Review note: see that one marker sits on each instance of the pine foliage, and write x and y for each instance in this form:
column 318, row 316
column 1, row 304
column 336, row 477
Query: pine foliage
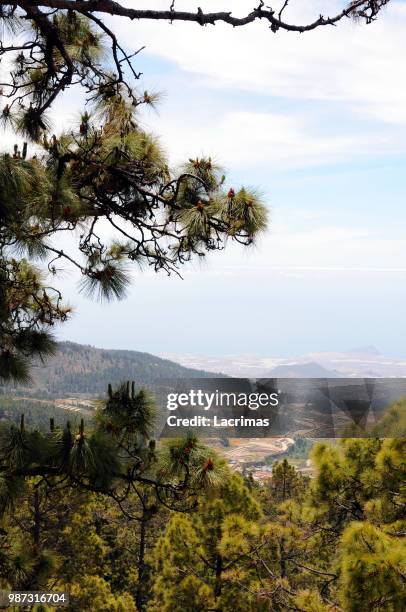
column 103, row 171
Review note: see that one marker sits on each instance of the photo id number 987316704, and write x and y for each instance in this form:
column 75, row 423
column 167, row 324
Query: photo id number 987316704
column 28, row 598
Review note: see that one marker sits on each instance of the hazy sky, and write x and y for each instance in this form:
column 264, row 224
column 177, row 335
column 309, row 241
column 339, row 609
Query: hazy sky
column 317, row 122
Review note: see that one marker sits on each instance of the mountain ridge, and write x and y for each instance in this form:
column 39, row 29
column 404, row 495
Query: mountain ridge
column 85, row 370
column 310, row 369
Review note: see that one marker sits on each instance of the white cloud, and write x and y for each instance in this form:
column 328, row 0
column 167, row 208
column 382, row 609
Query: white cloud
column 332, row 248
column 325, row 250
column 355, row 64
column 268, row 140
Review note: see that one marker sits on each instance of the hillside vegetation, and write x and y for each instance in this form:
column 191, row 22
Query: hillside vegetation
column 127, row 524
column 79, row 369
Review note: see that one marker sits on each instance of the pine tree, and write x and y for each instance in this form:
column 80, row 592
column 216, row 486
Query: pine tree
column 110, row 457
column 286, row 482
column 105, row 169
column 373, row 566
column 358, row 496
column 221, row 545
column 198, row 559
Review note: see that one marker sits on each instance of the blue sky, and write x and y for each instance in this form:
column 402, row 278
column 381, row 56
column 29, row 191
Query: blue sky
column 318, row 123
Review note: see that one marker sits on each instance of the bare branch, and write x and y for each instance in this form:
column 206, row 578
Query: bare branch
column 367, row 9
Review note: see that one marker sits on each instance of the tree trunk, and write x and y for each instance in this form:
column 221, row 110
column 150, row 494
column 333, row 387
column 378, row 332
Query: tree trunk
column 282, row 563
column 139, row 597
column 36, row 529
column 219, row 571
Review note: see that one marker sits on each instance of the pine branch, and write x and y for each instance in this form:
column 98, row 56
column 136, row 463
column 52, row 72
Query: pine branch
column 367, row 9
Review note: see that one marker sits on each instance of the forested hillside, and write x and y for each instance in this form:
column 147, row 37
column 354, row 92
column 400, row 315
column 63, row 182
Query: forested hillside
column 123, row 524
column 38, row 412
column 79, row 369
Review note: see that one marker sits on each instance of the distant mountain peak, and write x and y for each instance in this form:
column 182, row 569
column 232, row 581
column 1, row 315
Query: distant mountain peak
column 310, row 369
